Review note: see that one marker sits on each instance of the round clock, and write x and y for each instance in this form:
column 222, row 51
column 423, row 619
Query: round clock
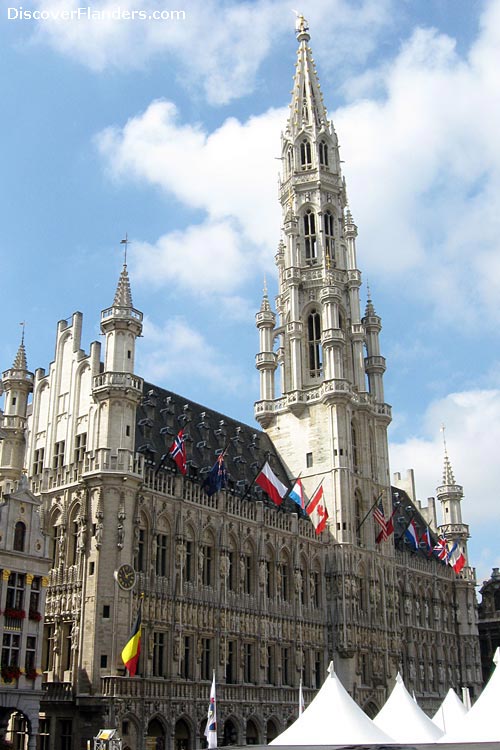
column 125, row 577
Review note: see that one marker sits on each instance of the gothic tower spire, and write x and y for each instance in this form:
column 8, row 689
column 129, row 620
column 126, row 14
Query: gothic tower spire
column 329, row 421
column 450, row 494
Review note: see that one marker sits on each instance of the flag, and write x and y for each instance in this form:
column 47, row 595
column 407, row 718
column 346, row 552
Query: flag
column 298, row 495
column 301, row 699
column 217, row 477
column 132, row 650
column 411, row 534
column 456, row 558
column 426, row 538
column 316, row 510
column 270, row 483
column 178, row 452
column 440, row 549
column 211, row 727
column 379, row 516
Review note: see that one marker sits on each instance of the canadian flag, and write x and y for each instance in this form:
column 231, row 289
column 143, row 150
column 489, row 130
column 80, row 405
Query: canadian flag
column 316, row 510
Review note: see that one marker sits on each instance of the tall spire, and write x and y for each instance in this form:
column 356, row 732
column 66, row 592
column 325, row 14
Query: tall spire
column 307, row 108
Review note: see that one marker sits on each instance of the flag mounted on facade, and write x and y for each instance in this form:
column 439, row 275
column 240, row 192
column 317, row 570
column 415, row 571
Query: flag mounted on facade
column 217, row 477
column 456, row 558
column 440, row 549
column 316, row 510
column 132, row 650
column 379, row 517
column 411, row 534
column 270, row 483
column 211, row 727
column 298, row 495
column 178, row 452
column 426, row 540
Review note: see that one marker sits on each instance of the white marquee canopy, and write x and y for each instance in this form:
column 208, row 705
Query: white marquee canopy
column 402, row 718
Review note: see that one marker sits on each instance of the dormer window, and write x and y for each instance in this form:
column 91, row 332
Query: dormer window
column 310, row 235
column 323, row 154
column 305, row 154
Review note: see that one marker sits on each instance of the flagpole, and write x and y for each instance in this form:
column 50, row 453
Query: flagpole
column 253, row 481
column 315, row 491
column 368, row 513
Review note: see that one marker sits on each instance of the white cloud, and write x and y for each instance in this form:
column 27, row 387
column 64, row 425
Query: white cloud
column 176, row 354
column 423, row 170
column 219, row 46
column 472, row 420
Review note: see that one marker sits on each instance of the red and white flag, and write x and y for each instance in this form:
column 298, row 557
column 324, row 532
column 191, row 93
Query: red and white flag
column 178, row 452
column 316, row 510
column 270, row 483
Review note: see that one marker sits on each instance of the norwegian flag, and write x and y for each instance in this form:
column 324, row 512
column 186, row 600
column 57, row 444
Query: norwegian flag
column 178, row 452
column 316, row 510
column 379, row 516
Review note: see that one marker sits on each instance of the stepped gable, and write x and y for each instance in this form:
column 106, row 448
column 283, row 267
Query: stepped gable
column 207, row 433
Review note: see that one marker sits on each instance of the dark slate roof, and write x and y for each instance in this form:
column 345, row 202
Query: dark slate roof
column 404, row 510
column 207, row 433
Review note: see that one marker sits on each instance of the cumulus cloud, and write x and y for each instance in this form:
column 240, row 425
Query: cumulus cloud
column 472, row 421
column 216, row 46
column 423, row 169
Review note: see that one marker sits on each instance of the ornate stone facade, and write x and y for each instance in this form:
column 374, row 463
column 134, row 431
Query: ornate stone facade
column 231, row 584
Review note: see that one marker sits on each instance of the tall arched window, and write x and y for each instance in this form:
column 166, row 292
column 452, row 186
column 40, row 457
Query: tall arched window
column 323, row 154
column 305, row 154
column 357, row 516
column 314, row 344
column 310, row 234
column 289, row 158
column 354, row 447
column 19, row 536
column 328, row 225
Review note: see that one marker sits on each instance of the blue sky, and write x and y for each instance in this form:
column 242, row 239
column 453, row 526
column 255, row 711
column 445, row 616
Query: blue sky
column 168, row 130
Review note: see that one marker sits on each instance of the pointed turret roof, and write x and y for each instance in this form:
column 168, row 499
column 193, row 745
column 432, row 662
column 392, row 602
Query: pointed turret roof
column 307, row 107
column 448, row 476
column 20, row 362
column 123, row 296
column 265, row 306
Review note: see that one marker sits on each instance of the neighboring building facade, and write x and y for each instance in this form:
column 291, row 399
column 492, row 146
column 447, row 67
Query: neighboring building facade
column 23, row 570
column 230, row 582
column 489, row 622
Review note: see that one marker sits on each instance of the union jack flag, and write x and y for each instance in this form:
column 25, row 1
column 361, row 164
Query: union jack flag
column 441, row 548
column 178, row 452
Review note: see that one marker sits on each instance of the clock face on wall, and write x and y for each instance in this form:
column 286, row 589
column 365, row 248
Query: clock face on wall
column 125, row 577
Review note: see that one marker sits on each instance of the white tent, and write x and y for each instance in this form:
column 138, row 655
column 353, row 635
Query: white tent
column 480, row 723
column 402, row 718
column 451, row 711
column 332, row 718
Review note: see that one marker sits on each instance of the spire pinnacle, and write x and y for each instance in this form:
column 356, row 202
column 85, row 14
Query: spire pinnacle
column 123, row 295
column 448, row 476
column 265, row 306
column 20, row 362
column 370, row 310
column 307, row 109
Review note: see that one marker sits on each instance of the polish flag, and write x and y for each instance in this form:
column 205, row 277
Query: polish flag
column 270, row 483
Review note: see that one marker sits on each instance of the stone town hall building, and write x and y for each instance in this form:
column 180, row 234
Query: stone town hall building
column 230, row 583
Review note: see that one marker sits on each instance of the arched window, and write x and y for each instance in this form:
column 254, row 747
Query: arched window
column 305, row 154
column 314, row 344
column 19, row 536
column 289, row 158
column 310, row 234
column 206, row 561
column 141, row 547
column 328, row 225
column 357, row 516
column 73, row 539
column 323, row 154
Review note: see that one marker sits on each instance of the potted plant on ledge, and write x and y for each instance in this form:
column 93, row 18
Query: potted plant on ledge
column 10, row 672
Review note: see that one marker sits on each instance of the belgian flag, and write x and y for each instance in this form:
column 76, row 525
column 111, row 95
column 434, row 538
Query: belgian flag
column 132, row 649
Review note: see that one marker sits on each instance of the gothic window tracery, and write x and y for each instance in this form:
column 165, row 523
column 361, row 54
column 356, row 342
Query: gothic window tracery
column 328, row 228
column 323, row 153
column 305, row 154
column 315, row 362
column 310, row 237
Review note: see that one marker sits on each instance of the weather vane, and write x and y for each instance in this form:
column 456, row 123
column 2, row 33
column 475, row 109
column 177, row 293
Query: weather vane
column 125, row 242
